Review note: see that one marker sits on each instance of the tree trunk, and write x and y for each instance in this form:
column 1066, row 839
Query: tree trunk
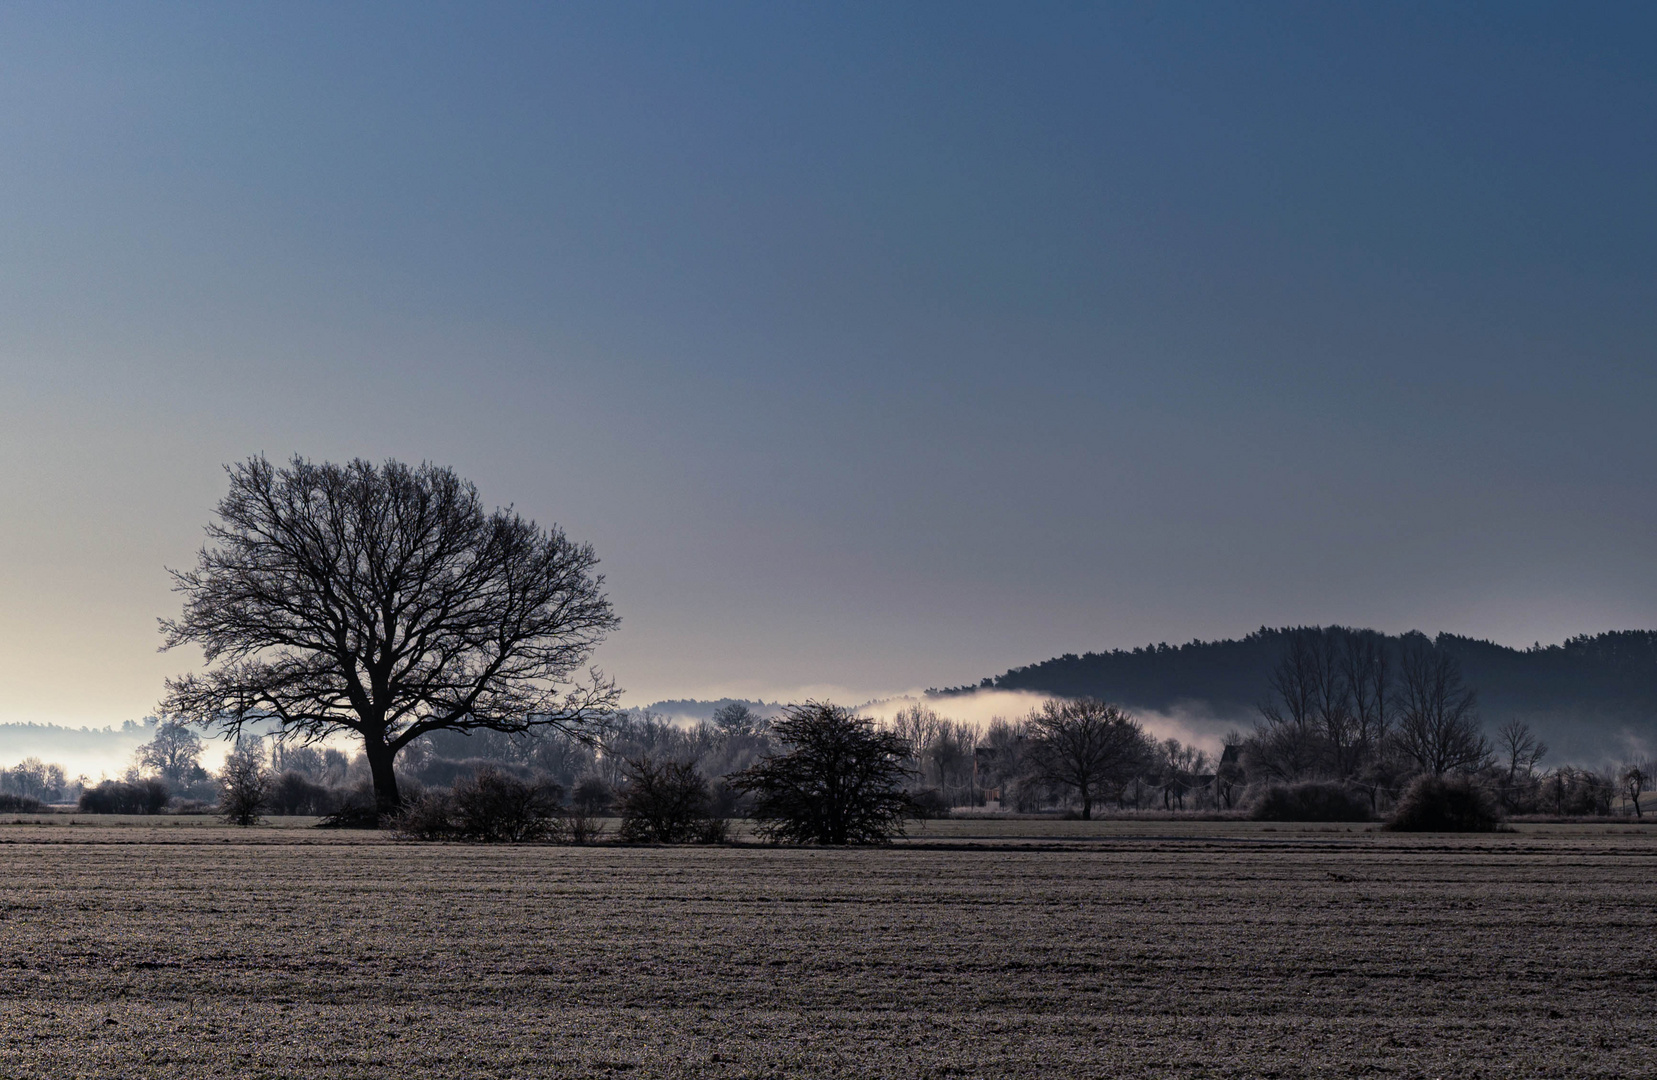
column 380, row 760
column 1087, row 805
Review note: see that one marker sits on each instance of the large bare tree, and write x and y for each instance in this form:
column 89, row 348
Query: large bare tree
column 386, row 602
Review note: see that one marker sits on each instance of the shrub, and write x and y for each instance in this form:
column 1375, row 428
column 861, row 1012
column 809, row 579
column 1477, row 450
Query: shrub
column 930, row 803
column 495, row 807
column 840, row 781
column 580, row 824
column 427, row 816
column 294, row 794
column 668, row 803
column 18, row 804
column 1314, row 801
column 119, row 797
column 1445, row 804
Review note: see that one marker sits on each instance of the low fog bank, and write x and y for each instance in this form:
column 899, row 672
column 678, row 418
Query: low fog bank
column 1586, row 741
column 694, row 711
column 1194, row 725
column 980, row 708
column 96, row 753
column 93, row 753
column 108, row 752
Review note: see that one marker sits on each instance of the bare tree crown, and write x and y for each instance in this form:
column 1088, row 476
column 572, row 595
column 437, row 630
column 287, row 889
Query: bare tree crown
column 386, row 601
column 1085, row 744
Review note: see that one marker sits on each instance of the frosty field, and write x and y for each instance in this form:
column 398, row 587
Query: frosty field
column 980, row 949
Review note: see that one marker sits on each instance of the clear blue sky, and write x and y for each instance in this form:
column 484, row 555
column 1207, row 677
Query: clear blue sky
column 873, row 346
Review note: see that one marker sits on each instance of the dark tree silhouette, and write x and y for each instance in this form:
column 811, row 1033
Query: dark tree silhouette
column 174, row 753
column 667, row 802
column 385, row 601
column 1085, row 745
column 839, row 782
column 244, row 785
column 1634, row 780
column 738, row 721
column 1285, row 739
column 1438, row 724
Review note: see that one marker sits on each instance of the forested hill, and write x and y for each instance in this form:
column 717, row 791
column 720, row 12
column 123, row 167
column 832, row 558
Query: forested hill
column 1592, row 697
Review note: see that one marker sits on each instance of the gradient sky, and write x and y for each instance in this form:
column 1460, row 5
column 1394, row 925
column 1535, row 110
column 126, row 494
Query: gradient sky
column 874, row 346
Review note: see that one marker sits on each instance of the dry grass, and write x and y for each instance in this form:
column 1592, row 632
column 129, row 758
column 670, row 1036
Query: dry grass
column 988, row 949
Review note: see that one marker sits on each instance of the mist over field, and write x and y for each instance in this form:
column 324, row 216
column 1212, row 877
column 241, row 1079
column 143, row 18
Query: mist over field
column 91, row 752
column 1594, row 699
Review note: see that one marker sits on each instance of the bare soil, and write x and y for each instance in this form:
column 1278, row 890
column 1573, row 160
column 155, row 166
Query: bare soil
column 982, row 948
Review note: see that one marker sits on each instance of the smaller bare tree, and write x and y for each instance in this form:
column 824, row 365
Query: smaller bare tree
column 244, row 784
column 1439, row 725
column 1366, row 661
column 1085, row 745
column 1635, row 779
column 1519, row 745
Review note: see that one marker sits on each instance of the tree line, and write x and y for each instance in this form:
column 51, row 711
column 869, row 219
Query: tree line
column 1581, row 694
column 1370, row 714
column 384, row 604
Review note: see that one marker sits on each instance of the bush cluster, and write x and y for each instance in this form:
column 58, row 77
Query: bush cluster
column 11, row 803
column 120, row 797
column 1312, row 801
column 1445, row 804
column 489, row 806
column 294, row 794
column 669, row 803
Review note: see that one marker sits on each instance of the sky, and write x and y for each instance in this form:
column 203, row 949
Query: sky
column 873, row 346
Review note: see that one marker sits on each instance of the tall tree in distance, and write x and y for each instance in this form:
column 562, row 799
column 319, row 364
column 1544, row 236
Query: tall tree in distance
column 1366, row 663
column 174, row 753
column 1285, row 741
column 1085, row 745
column 1521, row 748
column 385, row 601
column 1438, row 724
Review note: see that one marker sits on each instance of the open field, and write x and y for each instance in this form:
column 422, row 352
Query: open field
column 986, row 949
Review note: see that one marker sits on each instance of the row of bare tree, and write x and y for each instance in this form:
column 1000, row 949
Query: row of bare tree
column 1349, row 707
